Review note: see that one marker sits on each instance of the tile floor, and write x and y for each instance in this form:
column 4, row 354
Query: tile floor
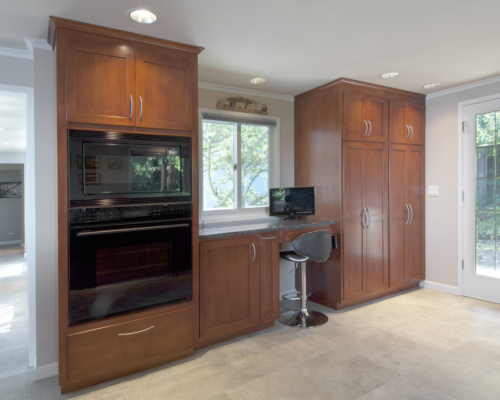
column 421, row 344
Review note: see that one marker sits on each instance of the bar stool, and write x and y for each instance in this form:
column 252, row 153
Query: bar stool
column 314, row 246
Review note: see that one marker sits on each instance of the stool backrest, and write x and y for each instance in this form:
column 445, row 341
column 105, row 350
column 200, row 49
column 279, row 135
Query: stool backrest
column 315, row 245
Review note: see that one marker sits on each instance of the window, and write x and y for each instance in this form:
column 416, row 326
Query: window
column 239, row 163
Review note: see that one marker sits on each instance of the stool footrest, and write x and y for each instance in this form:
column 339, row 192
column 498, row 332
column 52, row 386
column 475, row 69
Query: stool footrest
column 295, row 296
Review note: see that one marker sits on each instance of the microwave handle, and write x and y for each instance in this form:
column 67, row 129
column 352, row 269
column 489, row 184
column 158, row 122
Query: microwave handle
column 125, row 230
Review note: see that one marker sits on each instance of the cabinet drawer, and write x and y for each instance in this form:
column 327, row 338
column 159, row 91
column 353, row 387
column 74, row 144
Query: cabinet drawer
column 291, row 235
column 118, row 346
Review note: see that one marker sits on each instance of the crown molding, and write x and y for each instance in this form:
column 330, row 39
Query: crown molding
column 250, row 92
column 467, row 86
column 27, row 53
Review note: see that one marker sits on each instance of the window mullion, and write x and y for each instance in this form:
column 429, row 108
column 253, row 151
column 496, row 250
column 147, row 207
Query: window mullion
column 238, row 169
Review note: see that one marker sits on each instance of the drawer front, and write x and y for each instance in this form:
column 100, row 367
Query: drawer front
column 118, row 346
column 291, row 235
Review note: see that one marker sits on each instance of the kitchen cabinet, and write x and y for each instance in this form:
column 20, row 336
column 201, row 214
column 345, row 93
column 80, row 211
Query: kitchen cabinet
column 406, row 210
column 269, row 277
column 364, row 117
column 118, row 82
column 406, row 122
column 365, row 219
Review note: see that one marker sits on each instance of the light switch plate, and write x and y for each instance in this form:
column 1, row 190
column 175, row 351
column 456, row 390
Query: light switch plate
column 433, row 191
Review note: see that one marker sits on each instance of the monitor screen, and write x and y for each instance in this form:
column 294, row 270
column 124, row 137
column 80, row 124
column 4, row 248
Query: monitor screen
column 292, row 201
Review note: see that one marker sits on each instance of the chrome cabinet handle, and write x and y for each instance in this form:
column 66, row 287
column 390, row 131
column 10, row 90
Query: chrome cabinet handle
column 369, row 212
column 135, row 333
column 407, row 130
column 411, row 127
column 370, row 128
column 140, row 115
column 364, row 218
column 123, row 230
column 366, row 127
column 254, row 252
column 411, row 219
column 408, row 218
column 131, row 106
column 268, row 238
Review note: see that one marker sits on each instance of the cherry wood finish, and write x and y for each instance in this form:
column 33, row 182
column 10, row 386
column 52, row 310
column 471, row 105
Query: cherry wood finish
column 329, row 121
column 229, row 285
column 269, row 277
column 406, row 122
column 89, row 107
column 406, row 188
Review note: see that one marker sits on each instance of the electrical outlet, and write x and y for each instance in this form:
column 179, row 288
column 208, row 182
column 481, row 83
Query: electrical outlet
column 432, row 191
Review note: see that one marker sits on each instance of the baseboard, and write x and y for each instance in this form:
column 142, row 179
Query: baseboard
column 440, row 287
column 11, row 242
column 46, row 371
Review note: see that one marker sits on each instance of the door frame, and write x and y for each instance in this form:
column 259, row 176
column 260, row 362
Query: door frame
column 461, row 208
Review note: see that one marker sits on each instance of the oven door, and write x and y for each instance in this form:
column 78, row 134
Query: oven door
column 118, row 269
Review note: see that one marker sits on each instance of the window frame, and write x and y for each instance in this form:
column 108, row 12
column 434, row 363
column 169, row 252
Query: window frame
column 239, row 213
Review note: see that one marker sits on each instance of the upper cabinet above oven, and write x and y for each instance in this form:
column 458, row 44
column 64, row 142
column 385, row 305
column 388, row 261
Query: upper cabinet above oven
column 121, row 79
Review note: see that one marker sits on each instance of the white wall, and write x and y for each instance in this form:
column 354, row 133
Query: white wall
column 442, row 169
column 16, row 71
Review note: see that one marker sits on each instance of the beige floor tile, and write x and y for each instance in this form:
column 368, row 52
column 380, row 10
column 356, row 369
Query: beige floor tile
column 346, row 330
column 442, row 335
column 110, row 393
column 459, row 379
column 415, row 306
column 479, row 306
column 286, row 384
column 397, row 353
column 222, row 396
column 493, row 333
column 434, row 296
column 346, row 374
column 466, row 320
column 404, row 388
column 13, row 361
column 14, row 387
column 481, row 351
column 379, row 316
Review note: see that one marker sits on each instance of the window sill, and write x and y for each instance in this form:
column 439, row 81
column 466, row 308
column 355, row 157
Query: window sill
column 219, row 219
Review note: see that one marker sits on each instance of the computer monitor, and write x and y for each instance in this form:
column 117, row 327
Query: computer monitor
column 292, row 201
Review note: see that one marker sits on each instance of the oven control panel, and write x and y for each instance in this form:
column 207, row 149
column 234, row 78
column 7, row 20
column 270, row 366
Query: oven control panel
column 106, row 215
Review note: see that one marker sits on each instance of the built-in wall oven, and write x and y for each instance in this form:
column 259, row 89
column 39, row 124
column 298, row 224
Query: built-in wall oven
column 130, row 225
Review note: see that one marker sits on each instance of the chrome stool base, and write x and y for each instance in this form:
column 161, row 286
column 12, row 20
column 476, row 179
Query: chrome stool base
column 299, row 319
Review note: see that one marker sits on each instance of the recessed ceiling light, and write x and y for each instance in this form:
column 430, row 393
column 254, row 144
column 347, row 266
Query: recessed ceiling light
column 5, row 143
column 143, row 16
column 1, row 129
column 257, row 81
column 432, row 85
column 390, row 75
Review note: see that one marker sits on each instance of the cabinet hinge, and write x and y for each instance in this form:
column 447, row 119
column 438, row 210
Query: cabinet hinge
column 463, row 264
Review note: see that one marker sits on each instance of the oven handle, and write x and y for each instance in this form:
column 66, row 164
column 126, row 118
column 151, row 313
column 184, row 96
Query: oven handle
column 124, row 230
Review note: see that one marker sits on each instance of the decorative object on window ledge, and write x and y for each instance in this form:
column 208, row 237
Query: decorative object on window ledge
column 11, row 190
column 242, row 104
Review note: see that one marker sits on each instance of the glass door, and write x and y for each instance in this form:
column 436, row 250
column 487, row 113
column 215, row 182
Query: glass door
column 481, row 174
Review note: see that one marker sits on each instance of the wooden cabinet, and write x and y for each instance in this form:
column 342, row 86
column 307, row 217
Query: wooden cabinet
column 406, row 122
column 269, row 277
column 406, row 211
column 125, row 83
column 229, row 286
column 365, row 219
column 364, row 117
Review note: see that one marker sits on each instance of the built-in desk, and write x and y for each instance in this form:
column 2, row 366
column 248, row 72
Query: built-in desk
column 239, row 275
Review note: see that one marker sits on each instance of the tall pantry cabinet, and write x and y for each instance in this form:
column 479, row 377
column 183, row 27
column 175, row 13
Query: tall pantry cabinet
column 361, row 145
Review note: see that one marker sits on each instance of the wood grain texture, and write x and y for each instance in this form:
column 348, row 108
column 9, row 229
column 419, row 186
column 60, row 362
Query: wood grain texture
column 376, row 113
column 269, row 277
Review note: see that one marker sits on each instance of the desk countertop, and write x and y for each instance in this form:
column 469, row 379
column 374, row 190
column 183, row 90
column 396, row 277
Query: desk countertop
column 249, row 227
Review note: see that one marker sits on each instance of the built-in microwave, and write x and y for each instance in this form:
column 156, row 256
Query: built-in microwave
column 111, row 168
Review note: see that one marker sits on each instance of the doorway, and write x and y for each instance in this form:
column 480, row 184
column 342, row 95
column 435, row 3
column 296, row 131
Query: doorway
column 481, row 200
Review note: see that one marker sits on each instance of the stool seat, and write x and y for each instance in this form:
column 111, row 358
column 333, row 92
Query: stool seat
column 293, row 256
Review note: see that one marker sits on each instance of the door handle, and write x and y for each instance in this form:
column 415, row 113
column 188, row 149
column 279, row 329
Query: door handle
column 411, row 127
column 407, row 130
column 364, row 218
column 125, row 230
column 366, row 128
column 408, row 218
column 254, row 252
column 135, row 333
column 369, row 212
column 411, row 219
column 131, row 106
column 370, row 128
column 269, row 238
column 140, row 115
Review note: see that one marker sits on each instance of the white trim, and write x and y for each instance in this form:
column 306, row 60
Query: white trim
column 11, row 242
column 441, row 287
column 28, row 52
column 25, row 255
column 464, row 87
column 250, row 92
column 46, row 371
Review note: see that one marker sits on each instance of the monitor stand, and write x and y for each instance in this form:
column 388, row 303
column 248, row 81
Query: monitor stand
column 292, row 217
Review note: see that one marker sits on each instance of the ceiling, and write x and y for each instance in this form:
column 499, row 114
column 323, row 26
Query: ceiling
column 12, row 122
column 299, row 45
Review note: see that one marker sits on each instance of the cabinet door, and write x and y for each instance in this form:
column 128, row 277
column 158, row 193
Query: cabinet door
column 354, row 222
column 375, row 169
column 398, row 125
column 229, row 286
column 269, row 277
column 165, row 91
column 415, row 254
column 375, row 114
column 100, row 80
column 416, row 121
column 399, row 213
column 355, row 126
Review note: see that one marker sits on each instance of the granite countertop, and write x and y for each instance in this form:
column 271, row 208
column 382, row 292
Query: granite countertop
column 248, row 227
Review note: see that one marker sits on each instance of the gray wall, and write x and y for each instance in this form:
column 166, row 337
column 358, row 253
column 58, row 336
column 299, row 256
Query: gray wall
column 11, row 210
column 16, row 71
column 442, row 169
